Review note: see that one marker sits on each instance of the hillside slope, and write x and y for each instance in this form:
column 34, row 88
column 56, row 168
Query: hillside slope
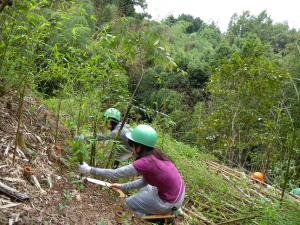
column 216, row 194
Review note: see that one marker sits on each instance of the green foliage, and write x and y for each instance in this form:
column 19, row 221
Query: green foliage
column 247, row 122
column 278, row 216
column 102, row 222
column 195, row 24
column 126, row 7
column 167, row 100
column 66, row 195
column 23, row 31
column 109, row 13
column 277, row 35
column 73, row 26
column 200, row 182
column 234, row 94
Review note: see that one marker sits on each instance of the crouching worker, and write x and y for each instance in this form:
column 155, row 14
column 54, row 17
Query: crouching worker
column 161, row 185
column 112, row 117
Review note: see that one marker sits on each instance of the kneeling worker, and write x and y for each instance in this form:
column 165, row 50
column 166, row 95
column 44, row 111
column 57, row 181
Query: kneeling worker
column 161, row 186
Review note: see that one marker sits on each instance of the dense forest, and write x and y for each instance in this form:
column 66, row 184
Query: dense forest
column 234, row 95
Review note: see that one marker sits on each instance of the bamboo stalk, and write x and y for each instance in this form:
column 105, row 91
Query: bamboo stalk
column 287, row 173
column 57, row 120
column 20, row 112
column 129, row 106
column 78, row 125
column 223, row 170
column 236, row 187
column 232, row 207
column 238, row 173
column 209, row 208
column 255, row 190
column 93, row 145
column 215, row 166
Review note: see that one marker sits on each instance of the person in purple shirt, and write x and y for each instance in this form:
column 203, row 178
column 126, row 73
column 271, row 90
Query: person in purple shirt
column 161, row 186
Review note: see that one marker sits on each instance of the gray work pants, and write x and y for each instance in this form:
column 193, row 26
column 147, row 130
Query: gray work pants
column 148, row 202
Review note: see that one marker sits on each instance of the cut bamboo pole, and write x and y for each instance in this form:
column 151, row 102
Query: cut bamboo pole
column 186, row 216
column 210, row 214
column 199, row 216
column 237, row 220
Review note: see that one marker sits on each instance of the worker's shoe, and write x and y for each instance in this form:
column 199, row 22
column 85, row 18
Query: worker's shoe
column 168, row 221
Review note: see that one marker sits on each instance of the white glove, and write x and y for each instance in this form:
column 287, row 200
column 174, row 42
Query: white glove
column 84, row 168
column 80, row 138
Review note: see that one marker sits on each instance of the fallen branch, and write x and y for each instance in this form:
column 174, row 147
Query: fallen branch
column 49, row 180
column 3, row 166
column 13, row 193
column 13, row 180
column 35, row 181
column 6, row 150
column 9, row 205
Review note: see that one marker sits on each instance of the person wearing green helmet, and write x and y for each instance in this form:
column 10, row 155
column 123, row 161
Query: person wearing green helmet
column 113, row 117
column 113, row 113
column 296, row 191
column 162, row 188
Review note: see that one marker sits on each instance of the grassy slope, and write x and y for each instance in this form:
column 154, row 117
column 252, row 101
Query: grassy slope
column 209, row 192
column 205, row 186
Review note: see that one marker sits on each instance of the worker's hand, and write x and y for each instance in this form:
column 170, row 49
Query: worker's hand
column 115, row 187
column 84, row 168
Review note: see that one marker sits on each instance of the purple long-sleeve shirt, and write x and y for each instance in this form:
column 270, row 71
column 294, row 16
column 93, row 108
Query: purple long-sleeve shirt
column 158, row 173
column 161, row 174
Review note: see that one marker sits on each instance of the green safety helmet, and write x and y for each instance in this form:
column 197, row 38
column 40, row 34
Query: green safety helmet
column 143, row 134
column 112, row 113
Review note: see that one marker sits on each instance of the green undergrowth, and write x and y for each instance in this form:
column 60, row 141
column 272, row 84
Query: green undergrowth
column 204, row 186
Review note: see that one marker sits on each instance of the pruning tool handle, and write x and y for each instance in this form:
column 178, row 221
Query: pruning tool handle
column 121, row 193
column 104, row 184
